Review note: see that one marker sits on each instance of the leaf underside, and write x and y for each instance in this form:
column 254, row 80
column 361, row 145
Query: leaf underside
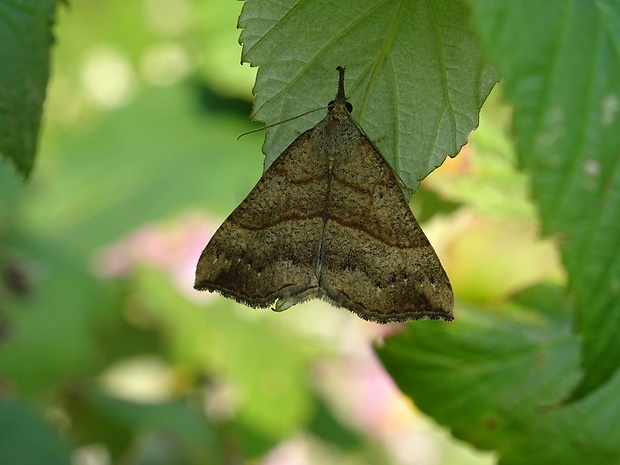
column 415, row 74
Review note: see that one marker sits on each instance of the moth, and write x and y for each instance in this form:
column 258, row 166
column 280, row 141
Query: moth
column 328, row 220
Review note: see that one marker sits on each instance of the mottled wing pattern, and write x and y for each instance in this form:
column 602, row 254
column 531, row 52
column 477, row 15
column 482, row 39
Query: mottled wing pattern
column 377, row 261
column 267, row 248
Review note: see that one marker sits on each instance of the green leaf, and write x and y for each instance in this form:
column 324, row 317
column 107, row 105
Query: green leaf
column 54, row 321
column 492, row 378
column 266, row 367
column 25, row 40
column 415, row 74
column 26, row 439
column 327, row 427
column 125, row 427
column 561, row 62
column 159, row 142
column 179, row 417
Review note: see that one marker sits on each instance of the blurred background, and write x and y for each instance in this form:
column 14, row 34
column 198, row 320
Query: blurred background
column 103, row 341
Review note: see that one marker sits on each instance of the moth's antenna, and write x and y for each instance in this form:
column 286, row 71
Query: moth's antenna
column 279, row 122
column 340, row 97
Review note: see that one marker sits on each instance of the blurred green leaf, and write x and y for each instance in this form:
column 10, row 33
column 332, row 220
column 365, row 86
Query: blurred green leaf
column 561, row 63
column 248, row 442
column 493, row 379
column 186, row 421
column 11, row 192
column 267, row 367
column 124, row 427
column 92, row 424
column 415, row 74
column 25, row 38
column 146, row 162
column 327, row 427
column 27, row 439
column 485, row 176
column 428, row 203
column 54, row 322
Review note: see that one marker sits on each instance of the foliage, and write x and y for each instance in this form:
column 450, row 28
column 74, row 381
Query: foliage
column 42, row 440
column 421, row 57
column 495, row 379
column 26, row 38
column 532, row 376
column 561, row 61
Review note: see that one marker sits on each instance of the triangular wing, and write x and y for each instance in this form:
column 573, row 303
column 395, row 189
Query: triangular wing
column 377, row 262
column 267, row 249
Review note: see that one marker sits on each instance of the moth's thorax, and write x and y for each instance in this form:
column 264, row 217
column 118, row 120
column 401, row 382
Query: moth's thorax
column 337, row 134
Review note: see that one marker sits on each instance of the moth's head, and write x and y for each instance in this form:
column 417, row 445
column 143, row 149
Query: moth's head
column 332, row 104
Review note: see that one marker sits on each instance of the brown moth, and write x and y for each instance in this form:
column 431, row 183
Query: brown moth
column 328, row 220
